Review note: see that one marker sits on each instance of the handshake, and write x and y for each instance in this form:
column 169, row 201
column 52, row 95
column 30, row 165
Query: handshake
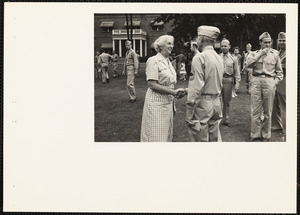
column 180, row 92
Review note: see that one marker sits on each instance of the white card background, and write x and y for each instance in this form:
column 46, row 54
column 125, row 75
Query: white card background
column 52, row 164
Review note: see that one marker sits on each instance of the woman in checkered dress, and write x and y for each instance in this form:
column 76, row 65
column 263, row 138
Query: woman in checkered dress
column 157, row 121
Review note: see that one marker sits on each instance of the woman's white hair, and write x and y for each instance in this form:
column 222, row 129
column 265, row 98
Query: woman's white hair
column 159, row 42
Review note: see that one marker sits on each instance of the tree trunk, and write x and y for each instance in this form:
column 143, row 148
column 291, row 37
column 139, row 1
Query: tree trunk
column 131, row 28
column 127, row 27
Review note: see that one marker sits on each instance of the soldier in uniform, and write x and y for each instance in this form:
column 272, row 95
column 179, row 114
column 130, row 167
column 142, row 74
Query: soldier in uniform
column 131, row 65
column 279, row 108
column 236, row 54
column 104, row 61
column 114, row 62
column 229, row 78
column 248, row 71
column 204, row 108
column 267, row 72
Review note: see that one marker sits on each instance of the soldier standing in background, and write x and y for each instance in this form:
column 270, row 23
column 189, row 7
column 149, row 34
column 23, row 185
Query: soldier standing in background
column 114, row 62
column 236, row 54
column 247, row 71
column 104, row 61
column 131, row 65
column 230, row 75
column 279, row 109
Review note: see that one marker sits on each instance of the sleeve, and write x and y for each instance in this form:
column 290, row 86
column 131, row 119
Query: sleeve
column 253, row 58
column 195, row 87
column 236, row 69
column 278, row 68
column 135, row 61
column 151, row 69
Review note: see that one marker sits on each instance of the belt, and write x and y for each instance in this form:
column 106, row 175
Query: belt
column 262, row 75
column 210, row 95
column 227, row 76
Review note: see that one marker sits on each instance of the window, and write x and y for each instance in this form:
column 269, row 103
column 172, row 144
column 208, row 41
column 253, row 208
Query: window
column 157, row 26
column 107, row 26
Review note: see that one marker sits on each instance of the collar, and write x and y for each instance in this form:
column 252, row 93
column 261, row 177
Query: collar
column 208, row 48
column 160, row 57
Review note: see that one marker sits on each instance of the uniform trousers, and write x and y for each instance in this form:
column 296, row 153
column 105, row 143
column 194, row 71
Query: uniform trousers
column 228, row 83
column 279, row 108
column 130, row 82
column 208, row 113
column 104, row 73
column 114, row 69
column 249, row 78
column 262, row 101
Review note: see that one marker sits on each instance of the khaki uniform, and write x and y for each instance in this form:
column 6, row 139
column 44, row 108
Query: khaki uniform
column 230, row 75
column 204, row 109
column 265, row 70
column 114, row 61
column 104, row 61
column 248, row 71
column 238, row 71
column 131, row 65
column 279, row 109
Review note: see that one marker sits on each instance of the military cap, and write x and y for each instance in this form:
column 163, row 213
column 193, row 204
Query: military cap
column 281, row 36
column 209, row 31
column 264, row 35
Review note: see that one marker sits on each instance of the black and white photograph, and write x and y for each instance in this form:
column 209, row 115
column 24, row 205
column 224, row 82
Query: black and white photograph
column 199, row 98
column 123, row 107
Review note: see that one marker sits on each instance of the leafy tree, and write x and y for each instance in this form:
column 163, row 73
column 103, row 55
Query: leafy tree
column 240, row 29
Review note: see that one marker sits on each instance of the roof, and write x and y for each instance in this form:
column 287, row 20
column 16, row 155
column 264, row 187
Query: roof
column 106, row 45
column 107, row 24
column 134, row 23
column 154, row 23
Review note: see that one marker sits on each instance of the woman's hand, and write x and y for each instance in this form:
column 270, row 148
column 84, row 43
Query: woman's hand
column 179, row 93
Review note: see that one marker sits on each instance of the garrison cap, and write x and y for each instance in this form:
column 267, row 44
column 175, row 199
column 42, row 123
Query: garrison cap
column 209, row 31
column 264, row 35
column 281, row 36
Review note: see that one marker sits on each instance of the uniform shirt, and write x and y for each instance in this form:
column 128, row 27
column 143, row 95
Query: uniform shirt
column 207, row 75
column 115, row 58
column 104, row 58
column 246, row 58
column 266, row 65
column 131, row 59
column 230, row 64
column 282, row 55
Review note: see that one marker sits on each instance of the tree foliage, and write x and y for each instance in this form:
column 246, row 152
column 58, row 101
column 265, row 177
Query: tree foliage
column 239, row 29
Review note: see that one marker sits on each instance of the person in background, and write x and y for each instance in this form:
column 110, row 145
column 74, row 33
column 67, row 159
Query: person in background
column 247, row 71
column 279, row 108
column 159, row 107
column 180, row 59
column 131, row 65
column 236, row 54
column 97, row 65
column 114, row 62
column 267, row 73
column 203, row 106
column 182, row 72
column 230, row 75
column 104, row 61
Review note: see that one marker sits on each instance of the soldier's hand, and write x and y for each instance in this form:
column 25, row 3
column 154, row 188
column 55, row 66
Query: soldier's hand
column 265, row 51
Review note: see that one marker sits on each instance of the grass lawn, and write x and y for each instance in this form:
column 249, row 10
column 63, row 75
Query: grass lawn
column 117, row 120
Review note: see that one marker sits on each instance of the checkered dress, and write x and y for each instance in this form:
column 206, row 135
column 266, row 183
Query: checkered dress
column 157, row 121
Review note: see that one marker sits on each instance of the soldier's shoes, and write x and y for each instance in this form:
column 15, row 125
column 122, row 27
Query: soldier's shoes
column 132, row 100
column 107, row 80
column 258, row 139
column 227, row 124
